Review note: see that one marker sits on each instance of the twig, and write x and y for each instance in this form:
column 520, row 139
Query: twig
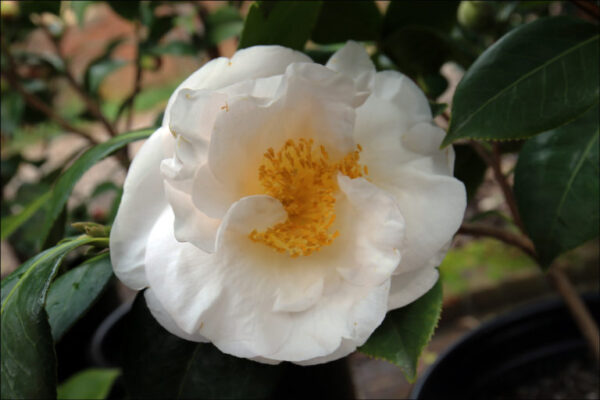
column 493, row 161
column 137, row 83
column 211, row 50
column 35, row 102
column 505, row 236
column 578, row 310
column 89, row 102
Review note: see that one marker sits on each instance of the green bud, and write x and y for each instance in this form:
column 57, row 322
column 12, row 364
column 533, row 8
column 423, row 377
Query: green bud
column 475, row 15
column 92, row 229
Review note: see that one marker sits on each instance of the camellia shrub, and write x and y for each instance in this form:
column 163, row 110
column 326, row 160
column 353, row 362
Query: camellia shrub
column 295, row 200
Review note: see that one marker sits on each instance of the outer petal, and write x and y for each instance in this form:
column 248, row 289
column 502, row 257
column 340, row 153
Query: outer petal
column 403, row 93
column 251, row 63
column 433, row 208
column 409, row 286
column 353, row 61
column 372, row 233
column 163, row 318
column 143, row 201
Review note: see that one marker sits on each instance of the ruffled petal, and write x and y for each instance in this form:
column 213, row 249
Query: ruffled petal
column 251, row 63
column 191, row 225
column 143, row 201
column 372, row 232
column 403, row 93
column 353, row 61
column 433, row 208
column 409, row 286
column 165, row 320
column 313, row 102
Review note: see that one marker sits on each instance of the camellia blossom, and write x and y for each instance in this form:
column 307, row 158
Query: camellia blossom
column 285, row 206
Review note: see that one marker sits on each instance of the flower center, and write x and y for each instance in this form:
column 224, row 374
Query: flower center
column 304, row 180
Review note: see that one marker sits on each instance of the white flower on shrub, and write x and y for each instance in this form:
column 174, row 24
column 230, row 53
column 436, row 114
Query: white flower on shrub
column 285, row 206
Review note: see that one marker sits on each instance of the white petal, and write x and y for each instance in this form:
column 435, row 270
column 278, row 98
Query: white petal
column 251, row 63
column 404, row 93
column 165, row 320
column 194, row 112
column 373, row 233
column 353, row 61
column 191, row 225
column 409, row 286
column 185, row 290
column 433, row 208
column 143, row 201
column 293, row 300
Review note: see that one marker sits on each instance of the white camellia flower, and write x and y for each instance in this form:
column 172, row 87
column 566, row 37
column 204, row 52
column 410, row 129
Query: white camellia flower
column 285, row 206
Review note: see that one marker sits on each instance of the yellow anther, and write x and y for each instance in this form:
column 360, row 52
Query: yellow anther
column 305, row 188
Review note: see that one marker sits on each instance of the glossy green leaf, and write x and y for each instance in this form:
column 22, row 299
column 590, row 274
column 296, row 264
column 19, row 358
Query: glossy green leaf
column 405, row 332
column 286, row 23
column 28, row 359
column 556, row 186
column 65, row 183
column 340, row 21
column 159, row 365
column 537, row 77
column 12, row 222
column 92, row 383
column 440, row 15
column 437, row 108
column 74, row 292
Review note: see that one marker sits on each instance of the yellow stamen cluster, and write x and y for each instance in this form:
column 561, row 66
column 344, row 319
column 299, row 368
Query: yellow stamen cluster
column 303, row 178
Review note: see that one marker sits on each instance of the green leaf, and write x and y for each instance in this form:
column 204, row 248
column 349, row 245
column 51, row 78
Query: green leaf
column 159, row 365
column 28, row 359
column 402, row 336
column 437, row 108
column 340, row 21
column 11, row 223
column 11, row 112
column 440, row 15
column 92, row 383
column 74, row 292
column 556, row 186
column 537, row 77
column 65, row 183
column 469, row 168
column 286, row 23
column 224, row 23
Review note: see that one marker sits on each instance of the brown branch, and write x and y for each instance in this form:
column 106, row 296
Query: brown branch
column 90, row 103
column 35, row 102
column 137, row 86
column 493, row 161
column 578, row 310
column 522, row 242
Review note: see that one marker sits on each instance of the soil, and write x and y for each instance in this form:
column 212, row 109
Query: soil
column 577, row 380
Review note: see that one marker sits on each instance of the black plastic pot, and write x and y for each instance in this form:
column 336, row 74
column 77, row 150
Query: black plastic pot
column 509, row 351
